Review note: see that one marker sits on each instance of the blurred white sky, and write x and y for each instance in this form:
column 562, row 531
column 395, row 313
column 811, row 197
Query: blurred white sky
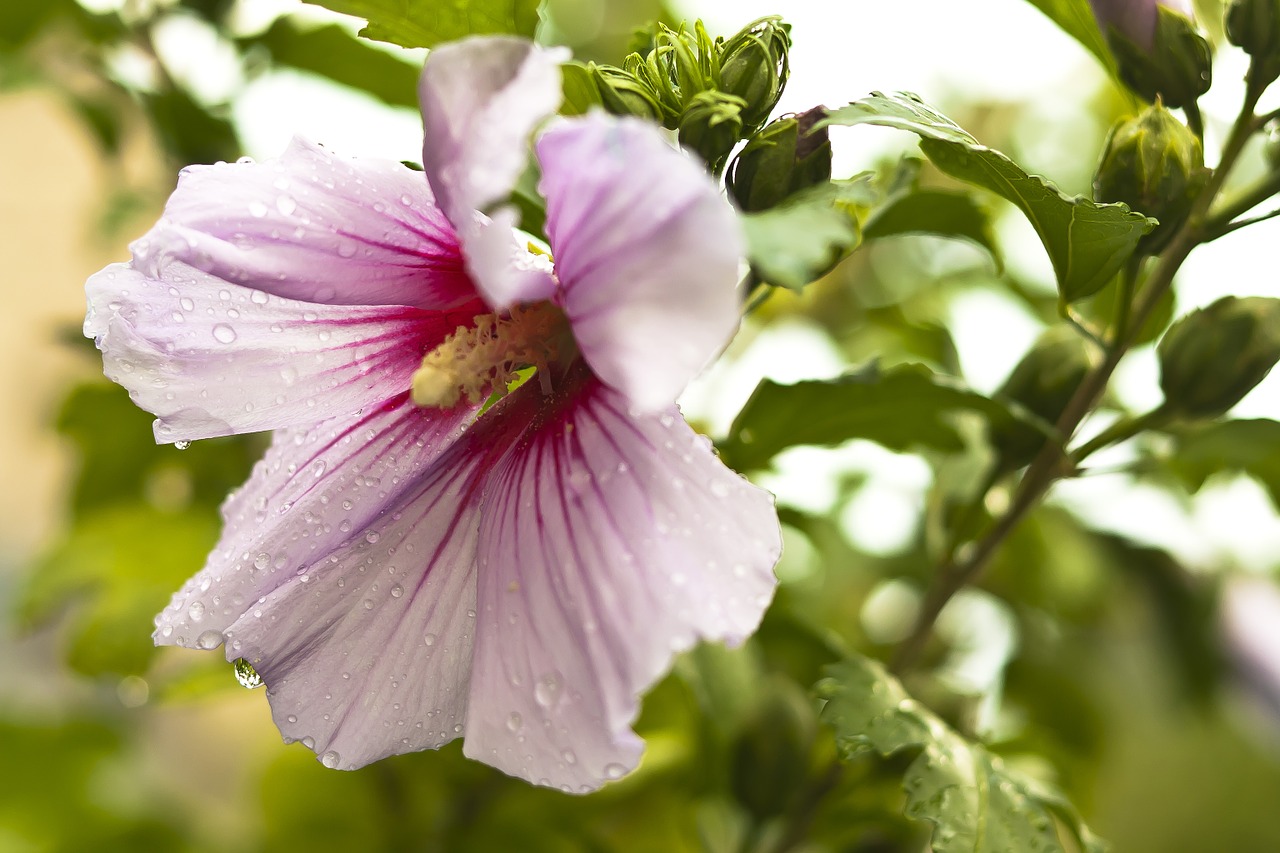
column 1001, row 49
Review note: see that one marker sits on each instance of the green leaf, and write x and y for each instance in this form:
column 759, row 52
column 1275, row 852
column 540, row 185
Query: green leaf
column 1246, row 446
column 975, row 802
column 332, row 52
column 1087, row 243
column 902, row 408
column 936, row 212
column 1076, row 19
column 425, row 23
column 800, row 240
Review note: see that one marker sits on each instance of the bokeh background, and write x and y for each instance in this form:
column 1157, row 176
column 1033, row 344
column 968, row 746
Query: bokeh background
column 1124, row 645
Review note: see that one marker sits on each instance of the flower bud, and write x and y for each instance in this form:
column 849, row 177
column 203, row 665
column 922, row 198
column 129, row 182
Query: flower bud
column 1158, row 51
column 711, row 125
column 1042, row 383
column 1254, row 26
column 1214, row 356
column 1155, row 164
column 786, row 156
column 770, row 754
column 622, row 94
column 754, row 66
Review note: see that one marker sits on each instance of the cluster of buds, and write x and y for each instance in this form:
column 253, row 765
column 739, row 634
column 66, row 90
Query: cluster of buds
column 1155, row 164
column 1159, row 52
column 712, row 92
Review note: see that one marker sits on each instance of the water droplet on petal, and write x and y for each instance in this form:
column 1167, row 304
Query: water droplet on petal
column 246, row 674
column 547, row 690
column 429, row 640
column 196, row 611
column 224, row 334
column 286, row 205
column 614, row 771
column 397, row 591
column 181, row 445
column 514, row 723
column 330, row 759
column 257, row 209
column 209, row 639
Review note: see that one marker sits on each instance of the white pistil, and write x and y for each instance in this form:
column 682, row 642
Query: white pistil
column 477, row 360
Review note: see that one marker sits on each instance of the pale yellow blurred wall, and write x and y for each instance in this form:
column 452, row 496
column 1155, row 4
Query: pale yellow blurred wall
column 53, row 183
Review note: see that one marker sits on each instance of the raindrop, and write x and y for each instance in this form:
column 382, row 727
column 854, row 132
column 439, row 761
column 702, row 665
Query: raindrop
column 196, row 611
column 286, row 205
column 514, row 723
column 719, row 489
column 223, row 333
column 262, row 561
column 257, row 209
column 291, row 718
column 614, row 771
column 330, row 759
column 429, row 640
column 368, row 604
column 246, row 674
column 187, row 303
column 182, row 445
column 258, row 297
column 547, row 690
column 209, row 639
column 372, row 537
column 397, row 591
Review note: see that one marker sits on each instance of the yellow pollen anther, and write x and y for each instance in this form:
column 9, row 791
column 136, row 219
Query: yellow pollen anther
column 478, row 360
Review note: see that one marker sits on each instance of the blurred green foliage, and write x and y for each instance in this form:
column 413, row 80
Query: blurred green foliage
column 1114, row 688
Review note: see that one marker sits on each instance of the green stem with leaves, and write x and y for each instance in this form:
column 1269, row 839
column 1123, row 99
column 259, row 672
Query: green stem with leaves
column 959, row 570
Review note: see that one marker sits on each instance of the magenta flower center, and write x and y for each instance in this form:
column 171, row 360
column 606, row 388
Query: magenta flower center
column 493, row 354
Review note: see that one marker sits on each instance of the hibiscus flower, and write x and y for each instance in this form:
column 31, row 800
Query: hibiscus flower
column 411, row 561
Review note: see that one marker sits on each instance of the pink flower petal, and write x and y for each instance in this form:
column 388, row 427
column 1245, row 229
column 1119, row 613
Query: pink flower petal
column 367, row 653
column 211, row 358
column 647, row 254
column 481, row 100
column 608, row 544
column 313, row 226
column 313, row 491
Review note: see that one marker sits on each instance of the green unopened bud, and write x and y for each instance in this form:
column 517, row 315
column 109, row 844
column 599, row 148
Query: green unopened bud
column 754, row 66
column 1214, row 356
column 622, row 94
column 1254, row 25
column 1042, row 383
column 1155, row 164
column 786, row 156
column 689, row 60
column 770, row 755
column 1174, row 64
column 711, row 125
